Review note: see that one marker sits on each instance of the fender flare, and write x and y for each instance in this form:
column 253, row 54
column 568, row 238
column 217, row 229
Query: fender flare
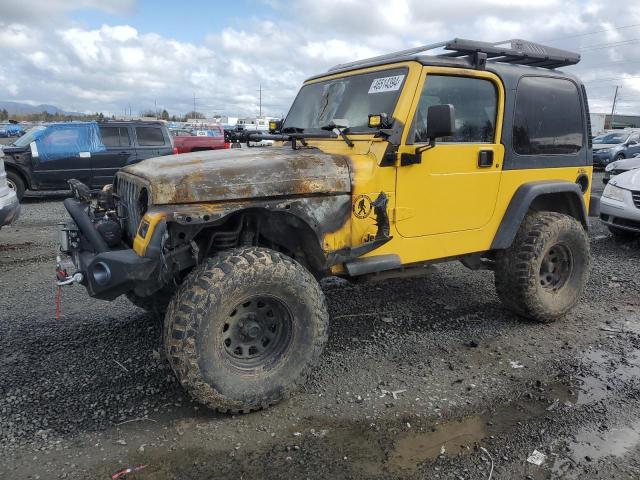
column 567, row 198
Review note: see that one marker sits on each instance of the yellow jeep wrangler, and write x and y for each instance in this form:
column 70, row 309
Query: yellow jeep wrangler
column 479, row 153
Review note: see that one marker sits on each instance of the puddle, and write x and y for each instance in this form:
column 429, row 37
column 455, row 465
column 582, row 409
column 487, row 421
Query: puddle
column 451, row 438
column 606, row 372
column 616, row 442
column 596, row 445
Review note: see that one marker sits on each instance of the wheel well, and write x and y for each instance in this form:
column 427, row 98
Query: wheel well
column 567, row 203
column 552, row 196
column 277, row 230
column 10, row 168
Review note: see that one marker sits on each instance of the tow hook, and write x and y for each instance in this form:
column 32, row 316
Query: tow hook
column 75, row 278
column 62, row 277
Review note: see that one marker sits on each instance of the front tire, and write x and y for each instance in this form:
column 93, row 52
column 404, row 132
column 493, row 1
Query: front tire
column 16, row 184
column 245, row 328
column 542, row 275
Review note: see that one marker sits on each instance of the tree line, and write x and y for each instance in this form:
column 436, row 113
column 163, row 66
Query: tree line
column 98, row 116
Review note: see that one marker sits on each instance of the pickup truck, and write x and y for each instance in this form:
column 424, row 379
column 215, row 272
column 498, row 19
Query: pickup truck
column 210, row 139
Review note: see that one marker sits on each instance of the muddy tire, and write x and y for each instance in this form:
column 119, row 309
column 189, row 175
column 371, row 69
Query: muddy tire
column 542, row 275
column 245, row 329
column 157, row 304
column 621, row 234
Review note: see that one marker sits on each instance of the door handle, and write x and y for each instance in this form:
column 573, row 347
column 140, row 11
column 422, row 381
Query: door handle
column 122, row 154
column 485, row 158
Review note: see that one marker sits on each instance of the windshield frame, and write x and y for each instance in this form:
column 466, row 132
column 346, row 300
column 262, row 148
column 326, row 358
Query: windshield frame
column 351, row 73
column 31, row 133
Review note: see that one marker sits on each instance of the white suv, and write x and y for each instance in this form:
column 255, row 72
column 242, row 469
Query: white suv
column 9, row 205
column 620, row 204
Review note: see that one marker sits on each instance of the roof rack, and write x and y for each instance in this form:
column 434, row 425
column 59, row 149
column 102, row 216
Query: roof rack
column 515, row 51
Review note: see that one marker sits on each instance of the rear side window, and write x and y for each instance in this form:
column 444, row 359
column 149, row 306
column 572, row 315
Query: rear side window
column 110, row 136
column 548, row 117
column 149, row 136
column 114, row 137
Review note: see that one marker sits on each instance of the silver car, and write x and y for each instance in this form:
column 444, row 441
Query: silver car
column 9, row 205
column 620, row 166
column 620, row 204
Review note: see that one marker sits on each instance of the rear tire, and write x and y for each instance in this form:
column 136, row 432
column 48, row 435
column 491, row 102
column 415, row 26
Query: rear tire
column 245, row 328
column 542, row 275
column 16, row 184
column 621, row 234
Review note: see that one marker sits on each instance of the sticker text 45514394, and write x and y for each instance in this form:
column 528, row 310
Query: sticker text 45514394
column 386, row 84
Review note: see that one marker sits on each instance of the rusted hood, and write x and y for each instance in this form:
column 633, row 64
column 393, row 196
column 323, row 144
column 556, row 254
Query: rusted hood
column 243, row 173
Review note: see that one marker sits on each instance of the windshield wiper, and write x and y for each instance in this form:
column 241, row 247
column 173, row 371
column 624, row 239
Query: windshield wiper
column 342, row 126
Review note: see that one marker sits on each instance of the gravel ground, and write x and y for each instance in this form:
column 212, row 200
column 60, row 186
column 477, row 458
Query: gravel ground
column 422, row 378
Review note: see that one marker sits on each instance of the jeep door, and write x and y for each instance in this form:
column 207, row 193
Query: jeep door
column 455, row 185
column 152, row 141
column 119, row 153
column 59, row 157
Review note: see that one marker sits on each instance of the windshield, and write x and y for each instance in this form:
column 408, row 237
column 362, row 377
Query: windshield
column 611, row 138
column 351, row 98
column 30, row 136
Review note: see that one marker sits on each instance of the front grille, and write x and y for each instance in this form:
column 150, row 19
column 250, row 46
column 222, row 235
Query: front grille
column 128, row 193
column 617, row 172
column 636, row 198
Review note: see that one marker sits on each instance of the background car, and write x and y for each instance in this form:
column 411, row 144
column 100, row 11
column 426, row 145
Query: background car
column 47, row 156
column 620, row 166
column 212, row 138
column 9, row 205
column 613, row 146
column 620, row 204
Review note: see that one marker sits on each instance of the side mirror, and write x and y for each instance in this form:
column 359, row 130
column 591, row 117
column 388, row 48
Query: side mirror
column 275, row 126
column 441, row 121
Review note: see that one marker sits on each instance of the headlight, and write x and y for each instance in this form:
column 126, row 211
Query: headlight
column 610, row 167
column 613, row 192
column 604, row 150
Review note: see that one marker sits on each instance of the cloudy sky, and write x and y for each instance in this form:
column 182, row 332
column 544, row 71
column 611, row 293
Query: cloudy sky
column 97, row 55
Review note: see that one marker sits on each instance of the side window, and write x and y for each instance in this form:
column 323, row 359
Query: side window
column 475, row 102
column 548, row 117
column 110, row 136
column 634, row 140
column 125, row 140
column 149, row 136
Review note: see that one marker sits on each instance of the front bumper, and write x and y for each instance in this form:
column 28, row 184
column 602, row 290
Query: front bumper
column 106, row 273
column 9, row 208
column 601, row 160
column 623, row 215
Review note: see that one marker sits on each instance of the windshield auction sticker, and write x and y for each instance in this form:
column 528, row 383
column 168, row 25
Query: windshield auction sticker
column 386, row 84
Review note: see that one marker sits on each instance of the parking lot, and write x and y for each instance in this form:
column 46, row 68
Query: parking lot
column 422, row 378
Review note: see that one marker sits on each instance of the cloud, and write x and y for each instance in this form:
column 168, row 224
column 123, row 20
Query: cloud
column 114, row 66
column 45, row 11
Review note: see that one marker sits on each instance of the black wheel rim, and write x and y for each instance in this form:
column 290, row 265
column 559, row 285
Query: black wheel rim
column 556, row 267
column 257, row 332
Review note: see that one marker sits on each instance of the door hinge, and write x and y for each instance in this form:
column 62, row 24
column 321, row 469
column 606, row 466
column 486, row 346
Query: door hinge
column 401, row 213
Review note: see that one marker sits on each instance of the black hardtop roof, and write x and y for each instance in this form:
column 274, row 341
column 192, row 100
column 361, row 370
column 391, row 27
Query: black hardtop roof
column 132, row 122
column 510, row 62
